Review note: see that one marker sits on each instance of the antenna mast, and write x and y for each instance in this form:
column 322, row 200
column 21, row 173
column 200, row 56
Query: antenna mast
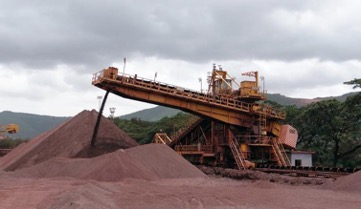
column 125, row 62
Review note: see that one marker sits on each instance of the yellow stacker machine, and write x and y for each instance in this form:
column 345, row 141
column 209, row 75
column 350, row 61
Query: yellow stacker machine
column 234, row 127
column 9, row 128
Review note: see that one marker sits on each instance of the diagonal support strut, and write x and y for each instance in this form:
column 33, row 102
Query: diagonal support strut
column 95, row 133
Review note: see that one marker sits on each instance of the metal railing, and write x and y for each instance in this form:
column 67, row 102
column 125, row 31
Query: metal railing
column 194, row 148
column 177, row 91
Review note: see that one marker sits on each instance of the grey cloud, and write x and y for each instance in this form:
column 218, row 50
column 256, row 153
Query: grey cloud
column 94, row 33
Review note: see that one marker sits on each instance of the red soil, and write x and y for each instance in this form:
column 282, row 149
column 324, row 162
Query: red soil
column 147, row 162
column 350, row 183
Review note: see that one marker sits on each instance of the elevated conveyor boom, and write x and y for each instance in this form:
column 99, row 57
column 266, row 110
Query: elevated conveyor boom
column 224, row 109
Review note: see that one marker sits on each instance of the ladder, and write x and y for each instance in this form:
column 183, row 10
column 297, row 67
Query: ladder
column 193, row 122
column 262, row 120
column 283, row 152
column 280, row 153
column 237, row 155
column 161, row 138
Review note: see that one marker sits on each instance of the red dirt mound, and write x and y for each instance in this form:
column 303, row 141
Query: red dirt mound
column 163, row 161
column 70, row 139
column 148, row 162
column 350, row 183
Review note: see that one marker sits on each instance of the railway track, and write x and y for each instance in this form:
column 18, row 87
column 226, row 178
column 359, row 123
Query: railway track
column 307, row 171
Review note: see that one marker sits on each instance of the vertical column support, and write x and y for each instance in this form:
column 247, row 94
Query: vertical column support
column 95, row 133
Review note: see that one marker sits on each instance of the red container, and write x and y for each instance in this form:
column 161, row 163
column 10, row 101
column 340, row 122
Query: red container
column 288, row 136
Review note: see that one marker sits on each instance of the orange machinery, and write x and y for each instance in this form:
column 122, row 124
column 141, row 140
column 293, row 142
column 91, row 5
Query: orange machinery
column 10, row 128
column 234, row 127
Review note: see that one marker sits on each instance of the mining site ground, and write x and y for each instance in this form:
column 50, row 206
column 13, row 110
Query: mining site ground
column 58, row 169
column 195, row 192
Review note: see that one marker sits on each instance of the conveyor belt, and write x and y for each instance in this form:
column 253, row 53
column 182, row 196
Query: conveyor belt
column 223, row 109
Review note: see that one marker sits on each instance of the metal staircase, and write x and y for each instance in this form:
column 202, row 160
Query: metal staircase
column 280, row 153
column 161, row 138
column 283, row 152
column 237, row 154
column 191, row 123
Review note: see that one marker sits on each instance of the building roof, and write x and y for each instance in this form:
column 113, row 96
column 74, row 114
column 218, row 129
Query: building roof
column 301, row 152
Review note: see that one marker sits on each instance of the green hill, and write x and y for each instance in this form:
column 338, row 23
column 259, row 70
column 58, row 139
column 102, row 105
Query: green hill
column 299, row 102
column 152, row 114
column 30, row 125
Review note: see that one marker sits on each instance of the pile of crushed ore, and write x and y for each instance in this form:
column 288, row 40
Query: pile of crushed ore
column 349, row 183
column 147, row 162
column 65, row 151
column 70, row 139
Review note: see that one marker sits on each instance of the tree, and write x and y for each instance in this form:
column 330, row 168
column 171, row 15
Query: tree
column 135, row 127
column 144, row 131
column 296, row 118
column 332, row 129
column 9, row 143
column 352, row 116
column 356, row 82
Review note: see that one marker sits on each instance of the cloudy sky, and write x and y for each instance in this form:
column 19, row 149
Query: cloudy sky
column 50, row 49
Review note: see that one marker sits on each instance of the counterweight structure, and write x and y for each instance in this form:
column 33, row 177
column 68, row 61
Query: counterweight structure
column 234, row 127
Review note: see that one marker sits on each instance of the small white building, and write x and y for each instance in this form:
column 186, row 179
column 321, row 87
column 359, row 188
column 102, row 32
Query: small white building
column 288, row 138
column 300, row 158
